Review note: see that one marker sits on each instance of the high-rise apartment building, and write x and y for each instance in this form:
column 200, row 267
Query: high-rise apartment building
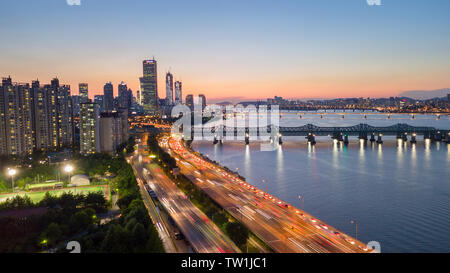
column 16, row 124
column 89, row 128
column 113, row 130
column 178, row 92
column 36, row 118
column 149, row 87
column 169, row 88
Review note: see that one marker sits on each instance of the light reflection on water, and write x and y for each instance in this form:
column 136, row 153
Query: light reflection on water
column 398, row 192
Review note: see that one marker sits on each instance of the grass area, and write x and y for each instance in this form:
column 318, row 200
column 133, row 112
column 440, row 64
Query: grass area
column 38, row 195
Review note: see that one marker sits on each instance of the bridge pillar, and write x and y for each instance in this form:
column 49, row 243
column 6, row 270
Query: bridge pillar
column 345, row 139
column 413, row 138
column 372, row 137
column 363, row 136
column 247, row 139
column 311, row 139
column 405, row 137
column 280, row 141
column 379, row 140
column 215, row 140
column 447, row 138
column 438, row 136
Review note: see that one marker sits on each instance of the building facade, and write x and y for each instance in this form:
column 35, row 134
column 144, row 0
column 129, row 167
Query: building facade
column 169, row 89
column 113, row 130
column 83, row 91
column 35, row 118
column 178, row 92
column 89, row 128
column 108, row 99
column 149, row 87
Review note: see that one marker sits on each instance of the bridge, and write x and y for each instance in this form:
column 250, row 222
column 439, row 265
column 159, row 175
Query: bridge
column 363, row 131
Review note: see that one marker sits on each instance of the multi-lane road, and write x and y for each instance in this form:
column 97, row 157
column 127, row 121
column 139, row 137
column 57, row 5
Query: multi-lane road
column 203, row 235
column 282, row 226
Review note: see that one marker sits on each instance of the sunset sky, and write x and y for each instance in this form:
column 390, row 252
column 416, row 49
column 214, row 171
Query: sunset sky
column 232, row 49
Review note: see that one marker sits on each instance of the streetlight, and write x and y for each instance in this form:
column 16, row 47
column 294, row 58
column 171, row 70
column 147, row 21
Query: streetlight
column 264, row 181
column 12, row 172
column 303, row 201
column 68, row 169
column 356, row 226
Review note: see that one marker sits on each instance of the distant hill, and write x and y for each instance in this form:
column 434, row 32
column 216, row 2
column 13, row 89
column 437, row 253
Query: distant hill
column 424, row 94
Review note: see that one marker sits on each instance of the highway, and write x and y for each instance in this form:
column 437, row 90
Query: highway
column 203, row 235
column 283, row 227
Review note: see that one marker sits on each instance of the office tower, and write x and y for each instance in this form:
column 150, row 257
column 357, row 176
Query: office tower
column 138, row 96
column 99, row 99
column 448, row 98
column 178, row 92
column 16, row 118
column 190, row 101
column 113, row 131
column 108, row 99
column 83, row 92
column 125, row 96
column 89, row 128
column 202, row 99
column 169, row 88
column 149, row 85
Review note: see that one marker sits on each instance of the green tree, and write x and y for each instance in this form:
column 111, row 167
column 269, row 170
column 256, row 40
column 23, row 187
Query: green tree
column 238, row 233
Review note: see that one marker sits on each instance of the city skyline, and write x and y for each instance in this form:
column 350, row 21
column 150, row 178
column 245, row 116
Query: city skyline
column 350, row 50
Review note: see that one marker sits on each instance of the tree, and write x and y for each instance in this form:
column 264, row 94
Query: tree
column 52, row 233
column 238, row 233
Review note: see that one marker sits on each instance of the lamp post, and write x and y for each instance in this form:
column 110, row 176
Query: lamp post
column 267, row 185
column 303, row 201
column 12, row 173
column 68, row 169
column 356, row 226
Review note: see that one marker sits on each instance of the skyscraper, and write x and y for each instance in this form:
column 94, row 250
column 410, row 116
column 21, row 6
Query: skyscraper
column 89, row 128
column 108, row 98
column 190, row 101
column 125, row 96
column 169, row 88
column 149, row 84
column 83, row 91
column 99, row 99
column 178, row 92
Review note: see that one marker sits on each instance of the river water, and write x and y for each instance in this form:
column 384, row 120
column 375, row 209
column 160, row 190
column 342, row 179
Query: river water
column 398, row 193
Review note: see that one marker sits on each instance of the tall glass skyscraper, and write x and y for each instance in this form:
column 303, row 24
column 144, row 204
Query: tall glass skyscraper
column 178, row 92
column 149, row 84
column 169, row 88
column 108, row 99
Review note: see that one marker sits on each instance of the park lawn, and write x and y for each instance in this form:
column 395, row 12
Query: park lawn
column 37, row 196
